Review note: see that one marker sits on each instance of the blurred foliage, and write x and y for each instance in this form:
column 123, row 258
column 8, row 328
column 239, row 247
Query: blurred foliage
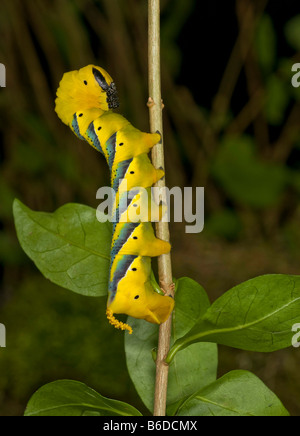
column 268, row 180
column 231, row 125
column 50, row 341
column 292, row 32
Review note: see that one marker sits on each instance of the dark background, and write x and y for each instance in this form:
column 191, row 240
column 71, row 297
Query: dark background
column 231, row 124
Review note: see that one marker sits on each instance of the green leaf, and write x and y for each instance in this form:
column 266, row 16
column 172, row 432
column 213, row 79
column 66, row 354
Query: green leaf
column 265, row 43
column 72, row 398
column 190, row 370
column 292, row 32
column 257, row 315
column 70, row 247
column 245, row 178
column 238, row 393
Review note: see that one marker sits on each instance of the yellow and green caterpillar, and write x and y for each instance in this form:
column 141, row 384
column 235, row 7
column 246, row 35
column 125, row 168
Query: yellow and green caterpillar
column 85, row 102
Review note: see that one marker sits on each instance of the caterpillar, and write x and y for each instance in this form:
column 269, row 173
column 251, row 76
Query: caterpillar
column 85, row 102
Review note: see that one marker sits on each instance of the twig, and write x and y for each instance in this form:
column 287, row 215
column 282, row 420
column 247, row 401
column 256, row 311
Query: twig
column 247, row 115
column 237, row 58
column 222, row 100
column 162, row 229
column 253, row 75
column 284, row 145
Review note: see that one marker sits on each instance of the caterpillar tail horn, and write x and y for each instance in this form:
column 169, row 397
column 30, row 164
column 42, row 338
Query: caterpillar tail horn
column 116, row 323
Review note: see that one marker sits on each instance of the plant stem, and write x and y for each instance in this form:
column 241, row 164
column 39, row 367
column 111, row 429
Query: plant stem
column 162, row 229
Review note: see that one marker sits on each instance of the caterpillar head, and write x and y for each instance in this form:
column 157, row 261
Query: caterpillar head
column 90, row 87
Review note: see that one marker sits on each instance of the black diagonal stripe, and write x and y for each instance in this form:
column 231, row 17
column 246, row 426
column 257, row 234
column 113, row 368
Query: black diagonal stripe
column 120, row 273
column 125, row 232
column 124, row 202
column 110, row 145
column 91, row 133
column 75, row 127
column 120, row 172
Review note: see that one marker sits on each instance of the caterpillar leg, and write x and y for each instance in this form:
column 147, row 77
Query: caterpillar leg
column 168, row 288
